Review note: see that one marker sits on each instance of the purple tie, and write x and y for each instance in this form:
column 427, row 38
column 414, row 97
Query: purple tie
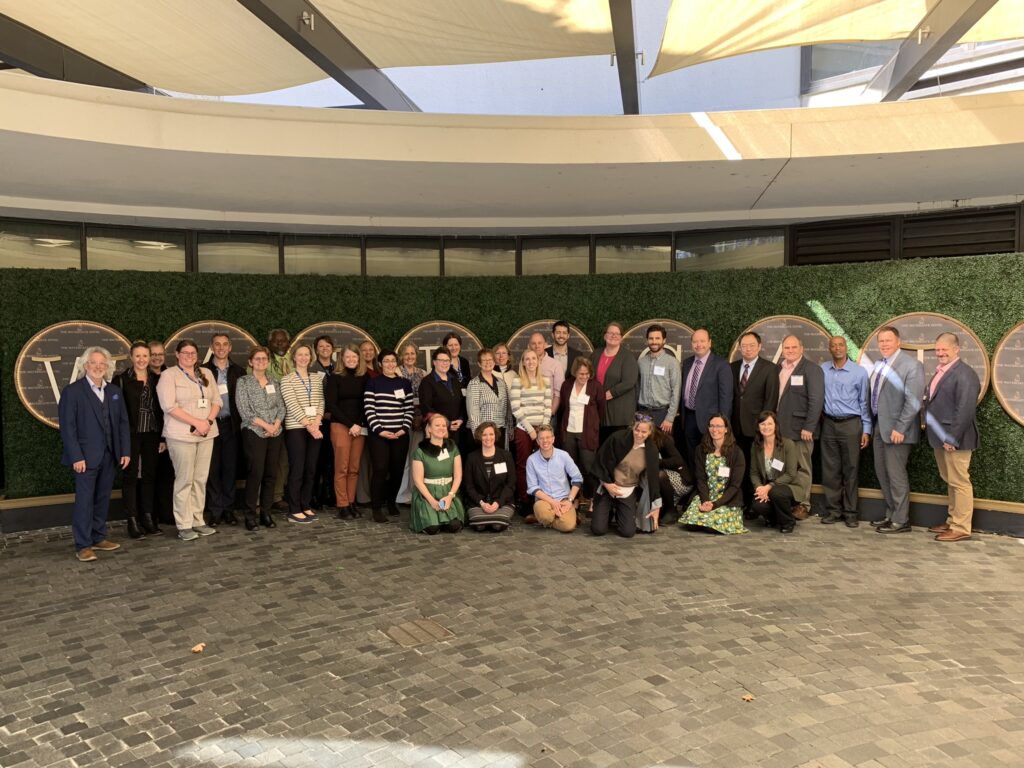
column 691, row 391
column 743, row 378
column 877, row 386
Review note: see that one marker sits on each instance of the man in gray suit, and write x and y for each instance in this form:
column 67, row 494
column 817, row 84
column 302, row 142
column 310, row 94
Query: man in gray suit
column 801, row 398
column 897, row 386
column 950, row 405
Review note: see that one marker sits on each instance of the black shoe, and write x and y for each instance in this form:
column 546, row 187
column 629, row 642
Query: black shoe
column 851, row 522
column 881, row 523
column 148, row 525
column 344, row 513
column 251, row 523
column 266, row 520
column 354, row 511
column 379, row 516
column 787, row 528
column 281, row 506
column 895, row 529
column 229, row 518
column 133, row 528
column 393, row 510
column 830, row 519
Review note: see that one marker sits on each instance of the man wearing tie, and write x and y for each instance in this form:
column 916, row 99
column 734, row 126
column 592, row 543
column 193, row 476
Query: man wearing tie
column 952, row 430
column 707, row 390
column 801, row 398
column 897, row 386
column 94, row 431
column 755, row 389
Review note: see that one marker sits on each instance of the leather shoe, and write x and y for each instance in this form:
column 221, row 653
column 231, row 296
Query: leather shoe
column 87, row 555
column 952, row 536
column 881, row 523
column 830, row 520
column 229, row 517
column 801, row 511
column 940, row 528
column 852, row 522
column 106, row 546
column 895, row 529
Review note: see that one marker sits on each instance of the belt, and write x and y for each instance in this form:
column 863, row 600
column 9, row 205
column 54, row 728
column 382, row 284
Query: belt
column 437, row 480
column 840, row 418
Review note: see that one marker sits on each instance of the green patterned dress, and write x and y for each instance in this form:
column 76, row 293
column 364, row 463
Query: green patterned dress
column 438, row 477
column 721, row 519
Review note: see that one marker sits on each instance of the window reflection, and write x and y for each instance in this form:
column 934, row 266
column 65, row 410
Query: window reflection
column 414, row 257
column 322, row 256
column 143, row 249
column 465, row 257
column 40, row 245
column 254, row 254
column 730, row 250
column 633, row 253
column 556, row 256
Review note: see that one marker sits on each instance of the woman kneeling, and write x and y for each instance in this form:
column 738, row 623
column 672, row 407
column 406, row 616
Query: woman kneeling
column 437, row 475
column 490, row 482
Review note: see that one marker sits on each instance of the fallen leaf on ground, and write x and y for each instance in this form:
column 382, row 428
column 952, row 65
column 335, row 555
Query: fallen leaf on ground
column 199, row 648
column 748, row 697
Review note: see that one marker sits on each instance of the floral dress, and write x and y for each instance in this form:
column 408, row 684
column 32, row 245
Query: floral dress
column 721, row 519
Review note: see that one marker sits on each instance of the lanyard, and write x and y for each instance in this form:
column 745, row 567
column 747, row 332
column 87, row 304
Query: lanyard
column 202, row 393
column 308, row 385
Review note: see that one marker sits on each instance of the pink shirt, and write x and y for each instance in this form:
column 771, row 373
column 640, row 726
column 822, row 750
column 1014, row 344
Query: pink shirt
column 602, row 366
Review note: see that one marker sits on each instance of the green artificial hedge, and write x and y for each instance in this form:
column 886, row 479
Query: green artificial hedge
column 986, row 293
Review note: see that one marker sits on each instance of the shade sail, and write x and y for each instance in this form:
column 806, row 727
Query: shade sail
column 705, row 30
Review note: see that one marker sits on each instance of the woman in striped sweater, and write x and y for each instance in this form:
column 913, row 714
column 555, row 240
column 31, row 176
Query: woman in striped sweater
column 388, row 403
column 531, row 407
column 303, row 393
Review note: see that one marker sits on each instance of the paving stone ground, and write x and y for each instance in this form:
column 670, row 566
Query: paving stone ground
column 568, row 650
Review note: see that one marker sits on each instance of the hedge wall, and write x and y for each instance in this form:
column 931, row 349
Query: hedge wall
column 986, row 293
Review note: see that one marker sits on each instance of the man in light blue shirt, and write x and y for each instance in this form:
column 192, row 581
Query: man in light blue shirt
column 554, row 481
column 845, row 432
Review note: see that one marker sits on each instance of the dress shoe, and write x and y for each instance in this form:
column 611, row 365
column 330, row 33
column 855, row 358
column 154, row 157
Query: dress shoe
column 801, row 511
column 281, row 506
column 344, row 513
column 940, row 528
column 229, row 518
column 530, row 520
column 106, row 546
column 379, row 515
column 881, row 523
column 87, row 555
column 852, row 522
column 134, row 531
column 251, row 523
column 267, row 521
column 393, row 510
column 895, row 528
column 952, row 535
column 830, row 519
column 149, row 524
column 787, row 528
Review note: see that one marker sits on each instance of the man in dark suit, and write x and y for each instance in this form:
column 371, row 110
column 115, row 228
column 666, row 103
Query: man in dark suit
column 951, row 402
column 755, row 387
column 220, row 486
column 801, row 398
column 897, row 387
column 707, row 390
column 96, row 437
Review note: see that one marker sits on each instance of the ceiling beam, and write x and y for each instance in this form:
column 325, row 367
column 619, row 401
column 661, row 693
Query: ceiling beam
column 25, row 48
column 939, row 30
column 303, row 26
column 625, row 54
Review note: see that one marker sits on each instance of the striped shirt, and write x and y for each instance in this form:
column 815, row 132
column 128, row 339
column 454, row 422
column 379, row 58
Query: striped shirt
column 300, row 394
column 531, row 407
column 389, row 404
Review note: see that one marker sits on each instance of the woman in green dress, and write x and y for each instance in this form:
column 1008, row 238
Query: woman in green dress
column 719, row 470
column 436, row 476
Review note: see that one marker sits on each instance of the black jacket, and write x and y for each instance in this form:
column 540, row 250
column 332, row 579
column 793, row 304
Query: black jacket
column 132, row 389
column 478, row 487
column 235, row 372
column 614, row 450
column 436, row 397
column 343, row 398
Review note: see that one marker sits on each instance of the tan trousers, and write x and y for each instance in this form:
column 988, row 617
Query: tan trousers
column 546, row 516
column 348, row 451
column 805, row 449
column 191, row 468
column 954, row 469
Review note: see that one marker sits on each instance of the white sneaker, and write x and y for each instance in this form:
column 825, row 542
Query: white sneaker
column 204, row 530
column 187, row 534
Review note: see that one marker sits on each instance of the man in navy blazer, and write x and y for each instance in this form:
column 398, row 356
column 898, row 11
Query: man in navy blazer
column 707, row 390
column 951, row 402
column 96, row 437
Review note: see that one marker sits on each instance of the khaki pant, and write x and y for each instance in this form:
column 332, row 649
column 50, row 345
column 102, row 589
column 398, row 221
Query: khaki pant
column 954, row 469
column 805, row 449
column 546, row 516
column 191, row 467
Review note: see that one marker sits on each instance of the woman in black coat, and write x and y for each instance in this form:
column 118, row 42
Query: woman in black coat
column 489, row 482
column 626, row 461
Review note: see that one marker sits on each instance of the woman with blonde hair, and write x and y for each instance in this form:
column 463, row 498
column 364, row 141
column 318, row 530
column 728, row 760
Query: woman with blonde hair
column 303, row 393
column 343, row 397
column 530, row 400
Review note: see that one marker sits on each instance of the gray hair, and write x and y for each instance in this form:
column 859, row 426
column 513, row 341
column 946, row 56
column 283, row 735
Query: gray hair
column 79, row 369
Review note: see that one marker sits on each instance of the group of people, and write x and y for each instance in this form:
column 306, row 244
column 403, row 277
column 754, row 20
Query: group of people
column 634, row 443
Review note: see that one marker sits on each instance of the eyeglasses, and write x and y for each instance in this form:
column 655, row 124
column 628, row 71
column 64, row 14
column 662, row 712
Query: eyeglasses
column 642, row 418
column 442, row 360
column 716, row 426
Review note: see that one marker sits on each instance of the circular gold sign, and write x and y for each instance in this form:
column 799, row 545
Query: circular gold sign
column 340, row 333
column 677, row 338
column 202, row 332
column 427, row 337
column 1008, row 373
column 917, row 336
column 49, row 361
column 519, row 341
column 774, row 329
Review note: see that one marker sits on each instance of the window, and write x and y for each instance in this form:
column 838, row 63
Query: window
column 730, row 250
column 239, row 253
column 556, row 256
column 416, row 257
column 633, row 253
column 322, row 255
column 478, row 256
column 144, row 249
column 40, row 245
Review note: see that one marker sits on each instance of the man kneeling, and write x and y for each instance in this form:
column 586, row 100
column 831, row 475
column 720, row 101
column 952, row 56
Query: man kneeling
column 554, row 481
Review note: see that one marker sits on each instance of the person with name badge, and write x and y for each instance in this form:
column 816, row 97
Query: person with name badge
column 486, row 396
column 437, row 476
column 627, row 467
column 190, row 402
column 719, row 476
column 660, row 380
column 303, row 393
column 531, row 407
column 220, row 487
column 389, row 407
column 489, row 482
column 581, row 411
column 344, row 394
column 774, row 461
column 261, row 410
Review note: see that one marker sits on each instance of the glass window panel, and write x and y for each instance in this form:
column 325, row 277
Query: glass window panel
column 416, row 257
column 322, row 255
column 633, row 253
column 145, row 249
column 40, row 245
column 479, row 257
column 556, row 256
column 834, row 59
column 730, row 250
column 239, row 253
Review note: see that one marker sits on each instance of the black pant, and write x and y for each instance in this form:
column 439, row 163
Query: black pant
column 303, row 451
column 840, row 464
column 693, row 433
column 625, row 514
column 220, row 485
column 387, row 461
column 583, row 459
column 323, row 483
column 745, row 443
column 140, row 496
column 165, row 488
column 262, row 455
column 778, row 510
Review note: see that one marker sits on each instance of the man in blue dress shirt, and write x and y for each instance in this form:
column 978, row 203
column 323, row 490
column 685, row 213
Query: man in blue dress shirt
column 554, row 481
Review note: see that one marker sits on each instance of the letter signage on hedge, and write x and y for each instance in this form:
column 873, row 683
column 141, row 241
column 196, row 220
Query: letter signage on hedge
column 774, row 329
column 201, row 333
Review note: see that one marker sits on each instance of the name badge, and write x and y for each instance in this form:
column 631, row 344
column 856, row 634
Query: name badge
column 778, row 465
column 723, row 471
column 400, row 394
column 311, row 410
column 500, row 468
column 585, row 398
column 222, row 388
column 203, row 403
column 659, row 370
column 363, row 431
column 796, row 381
column 270, row 389
column 443, row 455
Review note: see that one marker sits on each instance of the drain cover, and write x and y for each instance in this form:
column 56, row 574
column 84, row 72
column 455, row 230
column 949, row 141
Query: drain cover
column 418, row 632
